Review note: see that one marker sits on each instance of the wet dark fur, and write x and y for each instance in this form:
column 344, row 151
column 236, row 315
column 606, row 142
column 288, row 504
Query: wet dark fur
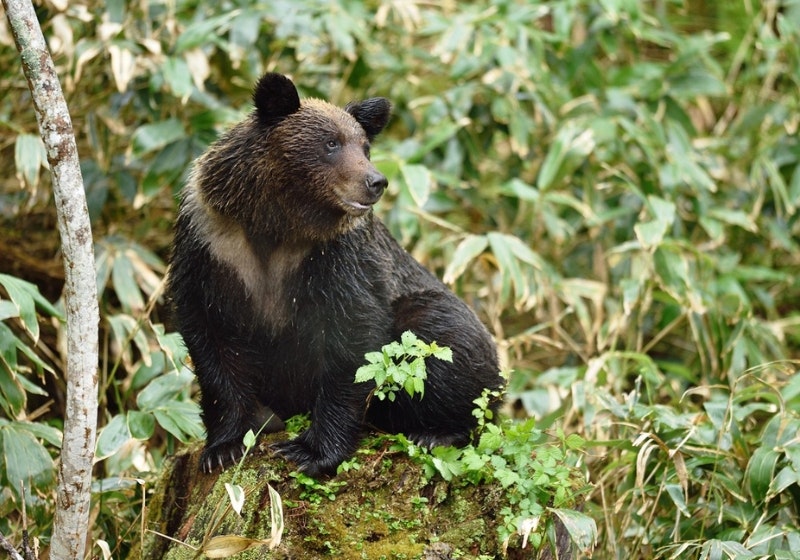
column 282, row 280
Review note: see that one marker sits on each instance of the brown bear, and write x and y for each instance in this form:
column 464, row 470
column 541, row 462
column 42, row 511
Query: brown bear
column 282, row 279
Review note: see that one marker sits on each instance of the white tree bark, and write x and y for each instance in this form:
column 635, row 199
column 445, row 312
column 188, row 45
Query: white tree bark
column 80, row 294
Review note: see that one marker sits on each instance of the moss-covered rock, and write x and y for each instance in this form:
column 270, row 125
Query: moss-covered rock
column 382, row 506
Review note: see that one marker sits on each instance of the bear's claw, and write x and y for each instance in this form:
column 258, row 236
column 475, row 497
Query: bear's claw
column 307, row 462
column 221, row 455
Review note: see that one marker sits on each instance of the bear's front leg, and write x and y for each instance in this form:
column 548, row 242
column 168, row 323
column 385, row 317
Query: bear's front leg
column 336, row 424
column 226, row 430
column 226, row 370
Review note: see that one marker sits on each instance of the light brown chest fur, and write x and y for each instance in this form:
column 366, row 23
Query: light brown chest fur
column 266, row 276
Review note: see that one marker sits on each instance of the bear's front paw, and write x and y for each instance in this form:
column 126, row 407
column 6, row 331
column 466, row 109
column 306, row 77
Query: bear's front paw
column 221, row 455
column 308, row 462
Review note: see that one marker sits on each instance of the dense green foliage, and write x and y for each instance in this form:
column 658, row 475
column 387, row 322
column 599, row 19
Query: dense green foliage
column 535, row 475
column 613, row 185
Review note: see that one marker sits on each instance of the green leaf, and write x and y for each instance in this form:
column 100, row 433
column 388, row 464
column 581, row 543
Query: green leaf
column 714, row 228
column 113, row 484
column 182, row 420
column 760, row 470
column 673, row 270
column 141, row 424
column 30, row 157
column 26, row 298
column 173, row 346
column 38, row 430
column 368, row 372
column 519, row 189
column 572, row 144
column 650, row 234
column 12, row 395
column 506, row 477
column 768, row 168
column 581, row 528
column 145, row 373
column 408, row 339
column 419, row 386
column 473, row 461
column 374, row 357
column 785, row 478
column 446, row 461
column 694, row 82
column 164, row 171
column 249, row 439
column 675, row 492
column 381, row 375
column 468, row 250
column 510, row 272
column 574, row 441
column 552, row 163
column 25, row 460
column 794, row 188
column 444, row 353
column 150, row 137
column 339, row 28
column 236, row 496
column 124, row 280
column 8, row 310
column 204, row 30
column 734, row 218
column 245, row 28
column 178, row 77
column 112, row 437
column 713, row 549
column 663, row 210
column 491, row 440
column 509, row 250
column 103, row 260
column 760, row 274
column 410, row 386
column 438, row 135
column 163, row 390
column 416, row 368
column 393, row 350
column 631, row 292
column 126, row 329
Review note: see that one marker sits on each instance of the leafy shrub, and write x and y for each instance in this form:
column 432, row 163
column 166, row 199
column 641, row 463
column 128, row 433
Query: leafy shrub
column 400, row 365
column 538, row 477
column 27, row 466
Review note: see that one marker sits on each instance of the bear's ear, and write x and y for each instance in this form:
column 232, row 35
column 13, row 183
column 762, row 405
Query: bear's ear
column 275, row 97
column 371, row 114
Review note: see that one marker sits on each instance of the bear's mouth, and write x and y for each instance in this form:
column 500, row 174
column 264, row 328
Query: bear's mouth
column 357, row 208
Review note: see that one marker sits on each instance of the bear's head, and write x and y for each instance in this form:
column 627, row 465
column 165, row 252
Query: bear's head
column 319, row 154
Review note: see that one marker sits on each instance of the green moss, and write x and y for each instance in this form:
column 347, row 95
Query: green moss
column 470, row 534
column 382, row 506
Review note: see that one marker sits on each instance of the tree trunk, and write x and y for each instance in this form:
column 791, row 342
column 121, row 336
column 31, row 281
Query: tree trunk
column 80, row 292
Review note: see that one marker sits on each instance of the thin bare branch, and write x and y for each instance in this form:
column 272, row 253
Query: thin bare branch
column 9, row 549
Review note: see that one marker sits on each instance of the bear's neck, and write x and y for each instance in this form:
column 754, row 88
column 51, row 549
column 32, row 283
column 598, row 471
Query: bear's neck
column 291, row 225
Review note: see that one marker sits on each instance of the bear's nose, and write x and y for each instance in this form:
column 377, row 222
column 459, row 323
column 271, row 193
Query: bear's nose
column 376, row 183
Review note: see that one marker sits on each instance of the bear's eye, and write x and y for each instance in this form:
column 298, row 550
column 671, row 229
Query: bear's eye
column 366, row 150
column 332, row 144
